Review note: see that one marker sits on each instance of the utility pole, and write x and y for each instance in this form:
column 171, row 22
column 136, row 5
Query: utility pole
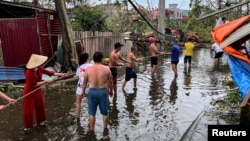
column 219, row 2
column 161, row 19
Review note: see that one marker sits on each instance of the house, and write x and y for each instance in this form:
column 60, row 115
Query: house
column 155, row 12
column 173, row 13
column 179, row 15
column 25, row 30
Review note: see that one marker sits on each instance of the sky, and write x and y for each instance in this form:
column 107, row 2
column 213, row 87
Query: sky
column 182, row 4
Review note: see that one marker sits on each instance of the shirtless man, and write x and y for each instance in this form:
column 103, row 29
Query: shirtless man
column 99, row 78
column 114, row 58
column 154, row 52
column 130, row 73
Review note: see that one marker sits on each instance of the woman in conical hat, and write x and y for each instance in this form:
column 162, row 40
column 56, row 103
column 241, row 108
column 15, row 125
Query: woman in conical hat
column 34, row 102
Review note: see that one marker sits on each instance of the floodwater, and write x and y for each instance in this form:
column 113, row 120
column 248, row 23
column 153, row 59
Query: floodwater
column 161, row 109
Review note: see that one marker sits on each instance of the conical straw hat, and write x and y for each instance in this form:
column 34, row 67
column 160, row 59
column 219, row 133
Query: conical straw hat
column 35, row 61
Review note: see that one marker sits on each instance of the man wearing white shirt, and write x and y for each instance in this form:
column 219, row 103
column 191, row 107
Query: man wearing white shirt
column 218, row 52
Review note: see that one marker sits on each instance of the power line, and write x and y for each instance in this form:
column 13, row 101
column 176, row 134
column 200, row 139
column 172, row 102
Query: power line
column 146, row 19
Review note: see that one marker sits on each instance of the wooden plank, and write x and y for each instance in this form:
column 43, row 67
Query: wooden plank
column 245, row 100
column 223, row 10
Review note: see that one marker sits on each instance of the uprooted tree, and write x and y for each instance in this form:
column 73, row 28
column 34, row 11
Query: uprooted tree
column 68, row 45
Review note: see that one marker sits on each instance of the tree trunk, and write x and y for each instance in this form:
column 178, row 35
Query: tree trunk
column 68, row 45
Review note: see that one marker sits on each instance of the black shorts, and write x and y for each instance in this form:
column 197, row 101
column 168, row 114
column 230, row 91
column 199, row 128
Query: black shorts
column 130, row 74
column 218, row 54
column 113, row 71
column 187, row 59
column 154, row 61
column 175, row 62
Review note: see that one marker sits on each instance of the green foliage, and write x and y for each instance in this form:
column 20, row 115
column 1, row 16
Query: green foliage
column 86, row 18
column 7, row 89
column 228, row 108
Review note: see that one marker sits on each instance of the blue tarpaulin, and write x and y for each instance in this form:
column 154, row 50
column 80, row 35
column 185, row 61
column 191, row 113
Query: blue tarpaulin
column 11, row 73
column 240, row 71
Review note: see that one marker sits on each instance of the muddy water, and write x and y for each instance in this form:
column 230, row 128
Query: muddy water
column 160, row 109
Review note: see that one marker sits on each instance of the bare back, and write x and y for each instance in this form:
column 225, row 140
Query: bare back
column 98, row 76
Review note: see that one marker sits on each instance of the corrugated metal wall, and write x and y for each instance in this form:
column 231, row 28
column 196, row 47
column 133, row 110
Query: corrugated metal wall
column 49, row 28
column 43, row 31
column 22, row 37
column 19, row 40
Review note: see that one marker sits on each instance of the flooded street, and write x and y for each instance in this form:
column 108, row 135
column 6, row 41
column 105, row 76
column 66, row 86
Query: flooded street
column 161, row 109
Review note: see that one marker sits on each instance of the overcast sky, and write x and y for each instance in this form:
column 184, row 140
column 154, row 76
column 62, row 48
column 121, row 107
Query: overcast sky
column 182, row 4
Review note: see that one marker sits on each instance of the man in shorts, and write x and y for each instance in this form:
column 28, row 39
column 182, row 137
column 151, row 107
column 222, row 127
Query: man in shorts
column 218, row 52
column 130, row 73
column 175, row 50
column 114, row 58
column 189, row 47
column 99, row 78
column 154, row 52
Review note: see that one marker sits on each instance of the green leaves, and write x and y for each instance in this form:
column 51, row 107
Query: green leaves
column 86, row 18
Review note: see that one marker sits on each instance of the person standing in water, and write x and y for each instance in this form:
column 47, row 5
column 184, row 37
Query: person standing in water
column 218, row 52
column 33, row 102
column 114, row 58
column 153, row 52
column 130, row 73
column 99, row 78
column 83, row 65
column 175, row 50
column 189, row 46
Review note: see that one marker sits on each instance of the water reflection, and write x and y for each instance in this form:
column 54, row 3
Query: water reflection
column 173, row 90
column 113, row 114
column 187, row 78
column 129, row 99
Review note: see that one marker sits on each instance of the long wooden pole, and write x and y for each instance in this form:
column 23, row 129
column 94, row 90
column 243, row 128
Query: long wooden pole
column 157, row 55
column 7, row 105
column 223, row 10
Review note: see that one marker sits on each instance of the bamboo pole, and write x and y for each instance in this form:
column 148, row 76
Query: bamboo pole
column 60, row 78
column 223, row 10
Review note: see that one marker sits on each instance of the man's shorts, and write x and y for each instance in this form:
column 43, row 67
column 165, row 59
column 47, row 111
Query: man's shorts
column 113, row 71
column 153, row 61
column 130, row 74
column 218, row 54
column 187, row 59
column 175, row 62
column 98, row 97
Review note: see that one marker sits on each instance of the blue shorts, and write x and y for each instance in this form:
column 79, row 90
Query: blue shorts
column 98, row 97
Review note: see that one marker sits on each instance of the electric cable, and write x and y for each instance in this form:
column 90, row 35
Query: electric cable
column 147, row 20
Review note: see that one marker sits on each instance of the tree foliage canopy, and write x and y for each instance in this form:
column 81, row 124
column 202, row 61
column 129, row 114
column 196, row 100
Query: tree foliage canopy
column 86, row 18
